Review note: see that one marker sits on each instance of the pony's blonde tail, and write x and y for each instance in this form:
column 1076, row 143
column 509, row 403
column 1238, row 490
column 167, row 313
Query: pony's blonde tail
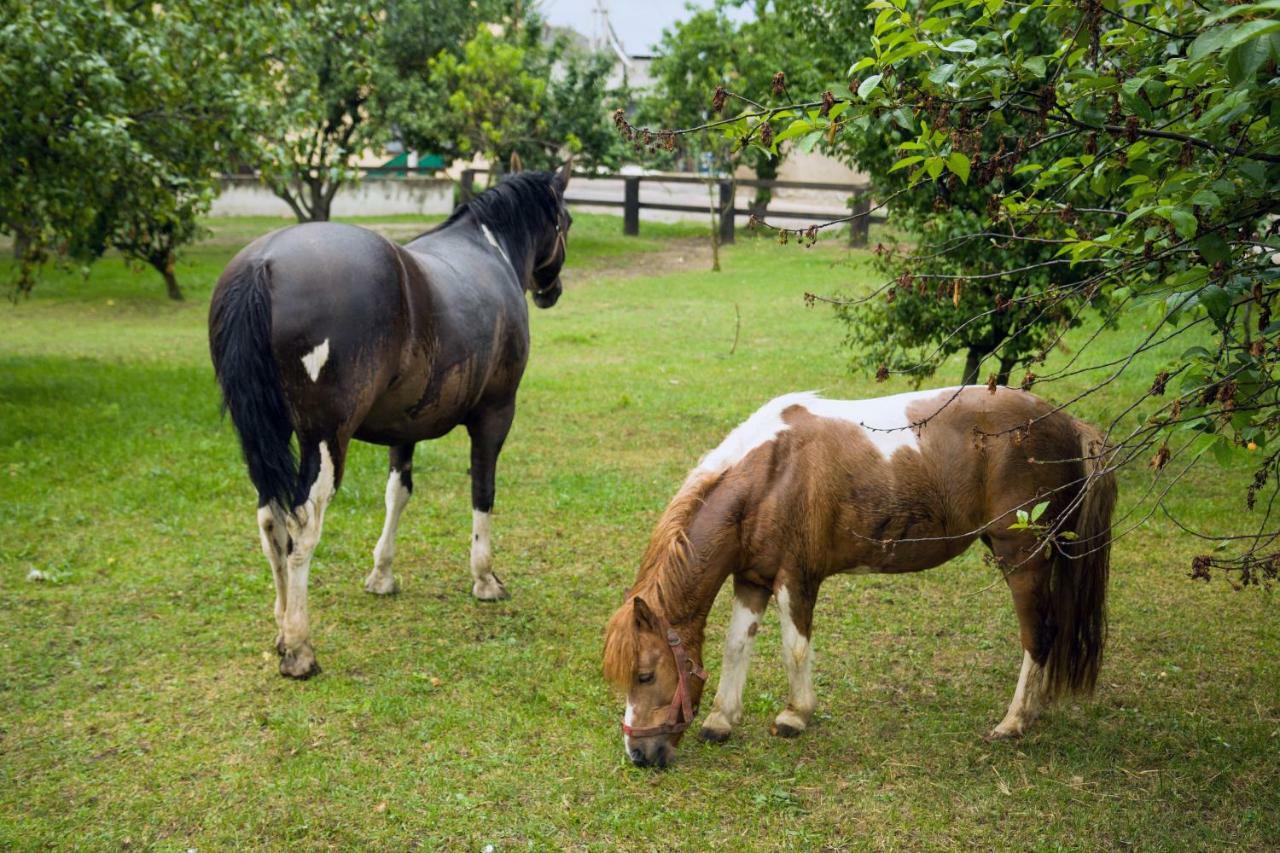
column 1078, row 585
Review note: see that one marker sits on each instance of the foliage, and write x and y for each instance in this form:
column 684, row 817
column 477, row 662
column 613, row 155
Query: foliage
column 321, row 123
column 106, row 120
column 511, row 92
column 708, row 49
column 1140, row 148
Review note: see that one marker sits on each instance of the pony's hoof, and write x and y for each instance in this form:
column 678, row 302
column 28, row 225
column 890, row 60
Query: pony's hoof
column 714, row 735
column 381, row 584
column 1005, row 733
column 489, row 589
column 299, row 663
column 788, row 724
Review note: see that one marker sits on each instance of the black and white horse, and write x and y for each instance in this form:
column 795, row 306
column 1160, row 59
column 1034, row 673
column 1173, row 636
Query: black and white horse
column 331, row 332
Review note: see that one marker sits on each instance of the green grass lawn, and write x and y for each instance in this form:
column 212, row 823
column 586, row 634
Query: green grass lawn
column 139, row 700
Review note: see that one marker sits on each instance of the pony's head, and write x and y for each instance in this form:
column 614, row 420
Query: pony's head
column 545, row 284
column 645, row 658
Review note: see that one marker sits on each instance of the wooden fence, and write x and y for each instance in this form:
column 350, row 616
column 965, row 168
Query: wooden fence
column 727, row 207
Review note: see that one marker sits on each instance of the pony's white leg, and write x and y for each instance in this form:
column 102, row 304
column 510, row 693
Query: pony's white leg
column 381, row 581
column 1027, row 701
column 273, row 532
column 305, row 524
column 795, row 615
column 748, row 606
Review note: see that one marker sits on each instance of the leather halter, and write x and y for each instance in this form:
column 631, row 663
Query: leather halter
column 681, row 711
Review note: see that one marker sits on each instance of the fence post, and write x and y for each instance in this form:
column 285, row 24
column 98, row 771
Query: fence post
column 631, row 205
column 466, row 186
column 726, row 212
column 860, row 226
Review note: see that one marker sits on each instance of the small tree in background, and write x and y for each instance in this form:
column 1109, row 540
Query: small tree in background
column 107, row 120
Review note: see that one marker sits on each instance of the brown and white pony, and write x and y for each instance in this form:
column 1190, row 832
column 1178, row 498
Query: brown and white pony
column 809, row 487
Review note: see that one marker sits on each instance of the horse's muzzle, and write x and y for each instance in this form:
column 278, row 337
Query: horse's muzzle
column 548, row 296
column 660, row 755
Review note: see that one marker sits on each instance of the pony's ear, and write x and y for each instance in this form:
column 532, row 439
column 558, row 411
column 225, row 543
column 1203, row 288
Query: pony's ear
column 645, row 619
column 561, row 180
column 516, row 165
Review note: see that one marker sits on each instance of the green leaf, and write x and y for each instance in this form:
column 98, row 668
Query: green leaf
column 868, row 86
column 1217, row 302
column 933, row 166
column 961, row 46
column 1038, row 510
column 905, row 162
column 959, row 164
column 1213, row 248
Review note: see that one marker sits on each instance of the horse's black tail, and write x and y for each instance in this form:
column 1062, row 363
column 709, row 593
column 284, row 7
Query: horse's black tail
column 240, row 343
column 1079, row 580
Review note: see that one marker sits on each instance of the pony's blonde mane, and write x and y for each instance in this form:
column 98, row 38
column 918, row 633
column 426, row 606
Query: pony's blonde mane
column 664, row 570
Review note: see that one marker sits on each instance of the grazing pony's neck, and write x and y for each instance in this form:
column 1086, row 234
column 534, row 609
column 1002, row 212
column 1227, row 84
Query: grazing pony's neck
column 693, row 549
column 521, row 212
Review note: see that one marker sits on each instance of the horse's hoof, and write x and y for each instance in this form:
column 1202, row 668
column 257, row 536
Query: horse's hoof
column 380, row 584
column 784, row 730
column 299, row 663
column 489, row 589
column 714, row 735
column 1001, row 733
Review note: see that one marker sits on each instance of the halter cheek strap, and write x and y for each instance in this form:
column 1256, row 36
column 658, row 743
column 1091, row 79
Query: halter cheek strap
column 681, row 711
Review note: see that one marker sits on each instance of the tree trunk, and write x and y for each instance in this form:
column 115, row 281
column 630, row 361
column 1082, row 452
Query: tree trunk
column 164, row 266
column 973, row 364
column 766, row 170
column 319, row 201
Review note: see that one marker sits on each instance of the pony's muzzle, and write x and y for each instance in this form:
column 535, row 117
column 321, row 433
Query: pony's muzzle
column 658, row 753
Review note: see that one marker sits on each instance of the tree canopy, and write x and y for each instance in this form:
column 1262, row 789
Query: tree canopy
column 1122, row 157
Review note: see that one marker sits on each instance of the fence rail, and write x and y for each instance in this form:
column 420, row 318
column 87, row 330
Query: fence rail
column 631, row 204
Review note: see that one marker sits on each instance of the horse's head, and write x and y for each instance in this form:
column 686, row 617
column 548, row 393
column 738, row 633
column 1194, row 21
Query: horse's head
column 648, row 660
column 546, row 269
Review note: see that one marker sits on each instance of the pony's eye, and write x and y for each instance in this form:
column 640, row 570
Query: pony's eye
column 645, row 678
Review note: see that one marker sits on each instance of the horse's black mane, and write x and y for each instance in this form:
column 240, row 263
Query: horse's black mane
column 519, row 209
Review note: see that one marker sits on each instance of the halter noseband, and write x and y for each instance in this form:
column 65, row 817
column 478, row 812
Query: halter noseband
column 681, row 711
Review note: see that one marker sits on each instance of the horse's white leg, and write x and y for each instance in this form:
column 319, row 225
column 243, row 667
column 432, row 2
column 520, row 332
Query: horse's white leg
column 399, row 487
column 488, row 429
column 749, row 602
column 1027, row 701
column 273, row 532
column 795, row 613
column 1028, row 579
column 305, row 524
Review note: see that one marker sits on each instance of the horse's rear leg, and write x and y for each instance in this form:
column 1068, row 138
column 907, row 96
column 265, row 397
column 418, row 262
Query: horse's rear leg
column 399, row 487
column 320, row 470
column 1027, row 573
column 795, row 612
column 488, row 429
column 273, row 531
column 749, row 602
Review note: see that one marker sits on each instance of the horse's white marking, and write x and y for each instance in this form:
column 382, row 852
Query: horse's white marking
column 275, row 538
column 628, row 717
column 739, row 639
column 1025, row 707
column 314, row 361
column 883, row 419
column 481, row 546
column 493, row 241
column 304, row 525
column 381, row 580
column 797, row 659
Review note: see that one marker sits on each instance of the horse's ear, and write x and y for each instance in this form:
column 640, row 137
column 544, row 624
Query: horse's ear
column 645, row 618
column 516, row 165
column 562, row 175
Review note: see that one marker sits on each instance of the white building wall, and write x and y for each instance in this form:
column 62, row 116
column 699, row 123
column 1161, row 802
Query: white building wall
column 382, row 197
